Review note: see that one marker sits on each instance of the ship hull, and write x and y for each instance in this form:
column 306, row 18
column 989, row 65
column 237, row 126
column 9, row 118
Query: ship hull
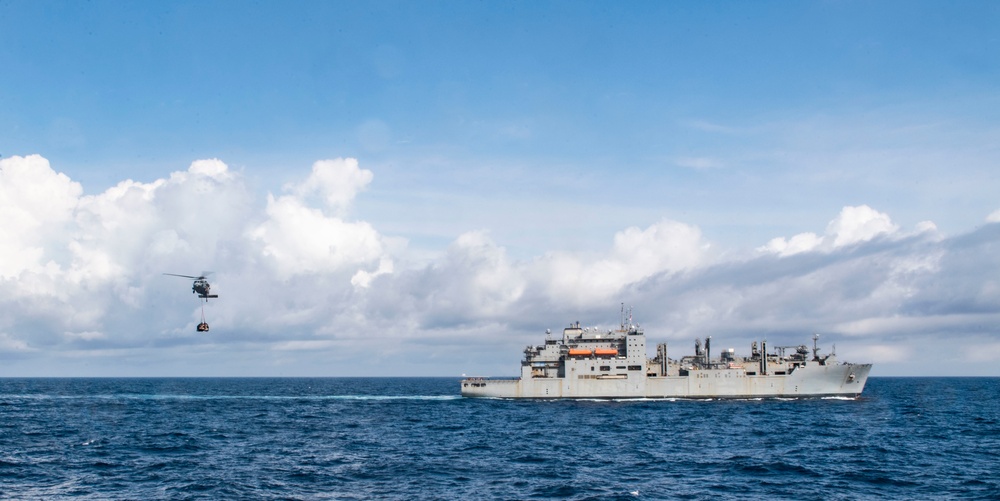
column 811, row 380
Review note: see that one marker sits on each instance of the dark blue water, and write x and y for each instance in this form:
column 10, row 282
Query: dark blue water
column 414, row 438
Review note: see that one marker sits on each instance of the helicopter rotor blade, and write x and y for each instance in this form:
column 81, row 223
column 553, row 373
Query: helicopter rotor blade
column 184, row 276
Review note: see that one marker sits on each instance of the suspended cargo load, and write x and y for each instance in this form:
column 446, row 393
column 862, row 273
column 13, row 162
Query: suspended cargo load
column 203, row 326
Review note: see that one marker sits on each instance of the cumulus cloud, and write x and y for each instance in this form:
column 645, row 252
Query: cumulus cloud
column 852, row 226
column 667, row 246
column 36, row 204
column 336, row 181
column 297, row 238
column 83, row 259
column 301, row 281
column 73, row 260
column 300, row 239
column 859, row 224
column 474, row 279
column 911, row 291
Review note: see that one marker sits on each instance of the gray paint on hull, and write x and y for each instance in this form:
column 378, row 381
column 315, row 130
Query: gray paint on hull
column 703, row 385
column 543, row 373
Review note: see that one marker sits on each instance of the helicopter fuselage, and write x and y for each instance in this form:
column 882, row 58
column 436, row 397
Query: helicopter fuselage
column 203, row 289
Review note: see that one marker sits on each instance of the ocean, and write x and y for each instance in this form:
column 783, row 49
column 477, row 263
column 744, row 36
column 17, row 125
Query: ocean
column 416, row 438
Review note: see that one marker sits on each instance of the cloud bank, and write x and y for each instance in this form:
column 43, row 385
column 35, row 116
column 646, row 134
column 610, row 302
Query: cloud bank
column 307, row 289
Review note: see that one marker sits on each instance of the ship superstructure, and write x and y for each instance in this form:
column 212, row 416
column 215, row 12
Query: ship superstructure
column 594, row 363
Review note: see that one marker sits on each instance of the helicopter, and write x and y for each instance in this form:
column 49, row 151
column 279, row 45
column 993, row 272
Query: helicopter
column 200, row 285
column 202, row 288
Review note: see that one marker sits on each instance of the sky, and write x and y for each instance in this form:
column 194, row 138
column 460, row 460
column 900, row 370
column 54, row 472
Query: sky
column 396, row 188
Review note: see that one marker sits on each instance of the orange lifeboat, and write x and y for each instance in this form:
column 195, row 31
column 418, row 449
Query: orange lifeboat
column 579, row 352
column 606, row 352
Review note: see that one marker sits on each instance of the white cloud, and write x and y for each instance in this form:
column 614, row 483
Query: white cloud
column 92, row 255
column 926, row 227
column 477, row 277
column 36, row 205
column 363, row 278
column 336, row 181
column 213, row 168
column 853, row 225
column 667, row 246
column 994, row 217
column 664, row 246
column 473, row 281
column 859, row 224
column 300, row 239
column 803, row 242
column 82, row 279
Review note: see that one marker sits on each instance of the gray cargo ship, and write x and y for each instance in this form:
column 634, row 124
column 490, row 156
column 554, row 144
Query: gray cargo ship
column 593, row 363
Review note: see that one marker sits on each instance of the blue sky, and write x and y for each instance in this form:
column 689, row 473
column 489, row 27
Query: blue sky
column 489, row 169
